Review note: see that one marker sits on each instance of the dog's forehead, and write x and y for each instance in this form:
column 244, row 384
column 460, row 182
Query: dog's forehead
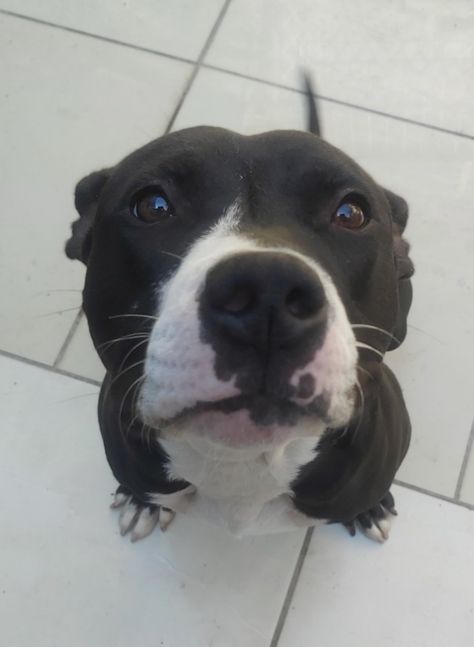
column 202, row 150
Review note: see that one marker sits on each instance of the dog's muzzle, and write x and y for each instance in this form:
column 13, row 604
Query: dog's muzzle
column 242, row 328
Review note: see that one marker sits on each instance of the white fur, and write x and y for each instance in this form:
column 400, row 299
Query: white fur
column 128, row 517
column 379, row 531
column 245, row 489
column 145, row 523
column 179, row 367
column 242, row 472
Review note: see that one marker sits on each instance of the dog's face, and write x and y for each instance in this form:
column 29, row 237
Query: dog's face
column 231, row 271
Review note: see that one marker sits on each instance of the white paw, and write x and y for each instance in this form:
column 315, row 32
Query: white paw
column 140, row 520
column 376, row 522
column 379, row 530
column 166, row 517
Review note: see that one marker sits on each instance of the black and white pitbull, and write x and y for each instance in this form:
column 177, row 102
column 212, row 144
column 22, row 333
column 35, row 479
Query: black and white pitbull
column 241, row 293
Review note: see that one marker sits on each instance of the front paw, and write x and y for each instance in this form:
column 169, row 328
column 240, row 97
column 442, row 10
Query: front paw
column 137, row 518
column 376, row 522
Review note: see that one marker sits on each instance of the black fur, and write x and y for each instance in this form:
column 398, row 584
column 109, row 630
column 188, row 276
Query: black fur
column 290, row 183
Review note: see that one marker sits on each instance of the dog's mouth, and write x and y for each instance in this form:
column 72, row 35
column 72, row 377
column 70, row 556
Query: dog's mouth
column 264, row 410
column 244, row 421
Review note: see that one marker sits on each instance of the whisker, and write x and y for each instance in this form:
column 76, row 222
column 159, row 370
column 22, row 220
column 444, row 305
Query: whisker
column 134, row 315
column 369, row 327
column 140, row 343
column 162, row 251
column 122, row 404
column 362, row 402
column 135, row 335
column 440, row 341
column 76, row 397
column 58, row 312
column 119, row 375
column 130, row 424
column 129, row 368
column 148, row 432
column 364, row 370
column 360, row 344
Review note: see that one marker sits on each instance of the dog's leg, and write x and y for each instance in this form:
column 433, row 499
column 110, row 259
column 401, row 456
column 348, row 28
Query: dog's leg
column 138, row 518
column 376, row 522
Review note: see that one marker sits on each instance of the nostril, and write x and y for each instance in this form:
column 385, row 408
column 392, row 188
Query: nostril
column 240, row 301
column 302, row 303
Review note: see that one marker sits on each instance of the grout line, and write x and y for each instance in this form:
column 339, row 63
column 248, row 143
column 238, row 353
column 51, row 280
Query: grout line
column 248, row 77
column 89, row 34
column 198, row 64
column 69, row 336
column 465, row 461
column 204, row 50
column 291, row 588
column 48, row 367
column 339, row 102
column 435, row 495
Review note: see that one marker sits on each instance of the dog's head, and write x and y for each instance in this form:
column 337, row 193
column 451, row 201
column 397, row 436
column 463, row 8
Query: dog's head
column 235, row 280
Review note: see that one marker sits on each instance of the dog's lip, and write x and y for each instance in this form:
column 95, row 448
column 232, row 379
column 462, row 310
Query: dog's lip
column 260, row 405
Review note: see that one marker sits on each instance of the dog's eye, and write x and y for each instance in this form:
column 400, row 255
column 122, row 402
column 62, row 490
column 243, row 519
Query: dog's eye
column 349, row 216
column 152, row 206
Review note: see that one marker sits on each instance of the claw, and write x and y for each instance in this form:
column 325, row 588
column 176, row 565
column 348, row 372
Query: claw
column 166, row 517
column 350, row 527
column 376, row 522
column 145, row 524
column 128, row 517
column 120, row 499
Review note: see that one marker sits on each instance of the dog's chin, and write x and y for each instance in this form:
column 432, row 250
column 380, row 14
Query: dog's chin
column 246, row 421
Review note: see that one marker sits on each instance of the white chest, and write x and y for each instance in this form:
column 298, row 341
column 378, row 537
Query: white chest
column 246, row 491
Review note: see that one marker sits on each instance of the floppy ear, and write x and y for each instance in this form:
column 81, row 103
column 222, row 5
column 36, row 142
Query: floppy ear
column 403, row 263
column 85, row 199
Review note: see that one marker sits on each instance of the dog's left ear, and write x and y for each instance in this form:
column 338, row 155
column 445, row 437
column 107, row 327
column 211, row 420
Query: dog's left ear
column 403, row 264
column 86, row 198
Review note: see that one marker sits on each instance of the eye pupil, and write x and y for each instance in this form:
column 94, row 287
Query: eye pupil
column 152, row 206
column 349, row 216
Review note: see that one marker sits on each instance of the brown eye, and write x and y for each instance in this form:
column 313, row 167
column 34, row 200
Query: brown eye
column 152, row 206
column 349, row 216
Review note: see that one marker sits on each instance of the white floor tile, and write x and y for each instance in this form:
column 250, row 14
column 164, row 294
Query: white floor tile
column 68, row 578
column 219, row 99
column 467, row 492
column 80, row 356
column 177, row 28
column 434, row 172
column 68, row 106
column 416, row 590
column 410, row 59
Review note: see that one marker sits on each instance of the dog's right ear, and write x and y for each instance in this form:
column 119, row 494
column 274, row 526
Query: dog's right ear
column 403, row 264
column 86, row 198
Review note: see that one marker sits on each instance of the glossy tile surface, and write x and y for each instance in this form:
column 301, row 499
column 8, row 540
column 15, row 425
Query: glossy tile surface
column 411, row 59
column 80, row 357
column 417, row 589
column 68, row 107
column 64, row 564
column 176, row 28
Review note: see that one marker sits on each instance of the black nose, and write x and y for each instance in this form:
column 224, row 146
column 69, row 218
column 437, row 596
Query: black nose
column 268, row 300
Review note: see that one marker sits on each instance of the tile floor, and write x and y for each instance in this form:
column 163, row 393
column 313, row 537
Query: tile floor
column 85, row 82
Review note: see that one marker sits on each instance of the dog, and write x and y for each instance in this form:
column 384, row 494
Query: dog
column 241, row 292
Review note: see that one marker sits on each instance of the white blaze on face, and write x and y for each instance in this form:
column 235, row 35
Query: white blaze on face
column 180, row 366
